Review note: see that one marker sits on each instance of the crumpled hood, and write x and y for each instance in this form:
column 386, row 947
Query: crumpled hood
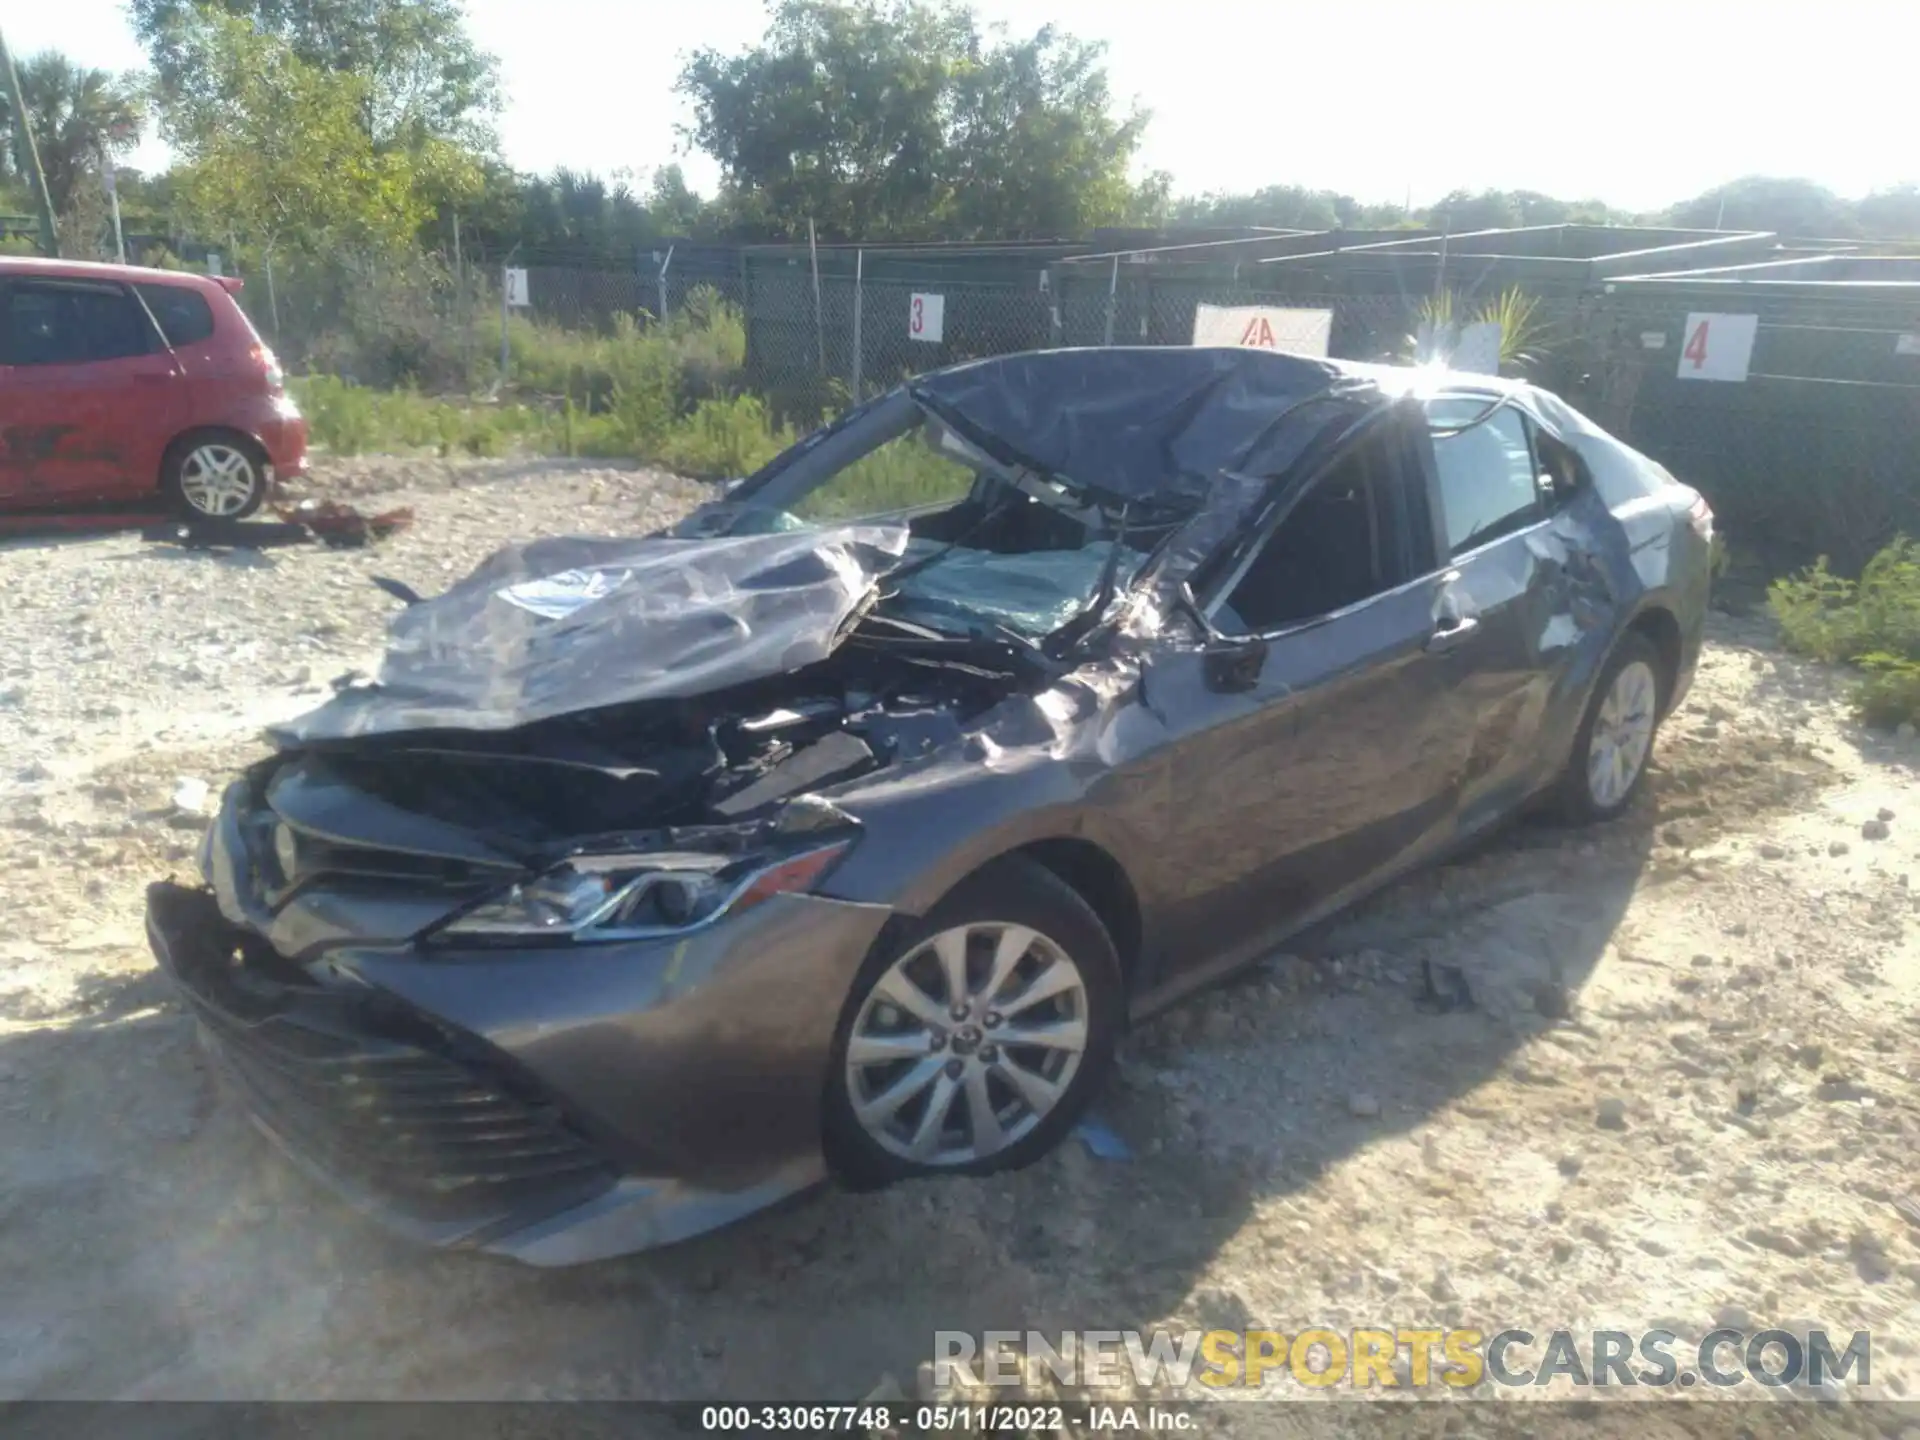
column 553, row 627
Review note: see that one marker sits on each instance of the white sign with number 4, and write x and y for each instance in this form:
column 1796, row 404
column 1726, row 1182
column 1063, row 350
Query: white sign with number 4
column 1717, row 347
column 927, row 318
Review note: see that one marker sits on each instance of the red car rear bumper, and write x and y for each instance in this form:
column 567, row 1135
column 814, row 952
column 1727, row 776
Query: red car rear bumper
column 284, row 437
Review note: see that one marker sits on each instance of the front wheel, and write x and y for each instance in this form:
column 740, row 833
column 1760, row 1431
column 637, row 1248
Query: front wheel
column 974, row 1044
column 1610, row 753
column 219, row 477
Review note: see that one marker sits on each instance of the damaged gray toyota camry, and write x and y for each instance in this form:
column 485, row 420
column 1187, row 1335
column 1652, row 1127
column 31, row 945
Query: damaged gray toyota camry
column 842, row 828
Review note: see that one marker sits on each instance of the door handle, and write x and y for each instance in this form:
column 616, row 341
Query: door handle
column 1452, row 633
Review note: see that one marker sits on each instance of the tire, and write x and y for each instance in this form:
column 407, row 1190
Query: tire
column 215, row 474
column 1590, row 791
column 894, row 1063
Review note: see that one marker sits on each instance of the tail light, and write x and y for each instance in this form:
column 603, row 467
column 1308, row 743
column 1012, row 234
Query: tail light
column 269, row 365
column 1700, row 517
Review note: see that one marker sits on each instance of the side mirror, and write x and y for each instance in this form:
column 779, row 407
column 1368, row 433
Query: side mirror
column 1232, row 665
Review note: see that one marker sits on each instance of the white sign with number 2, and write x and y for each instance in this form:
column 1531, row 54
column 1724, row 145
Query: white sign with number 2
column 927, row 318
column 1717, row 347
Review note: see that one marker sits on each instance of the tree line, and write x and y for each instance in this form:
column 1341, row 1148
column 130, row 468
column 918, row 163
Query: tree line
column 306, row 126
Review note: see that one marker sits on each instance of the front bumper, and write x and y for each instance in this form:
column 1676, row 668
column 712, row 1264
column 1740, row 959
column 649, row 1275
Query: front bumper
column 555, row 1105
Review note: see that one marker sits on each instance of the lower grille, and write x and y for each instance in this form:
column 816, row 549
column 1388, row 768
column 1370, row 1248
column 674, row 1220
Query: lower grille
column 370, row 1095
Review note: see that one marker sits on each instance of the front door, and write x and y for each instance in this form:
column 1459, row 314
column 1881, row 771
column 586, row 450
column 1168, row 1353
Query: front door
column 89, row 393
column 1339, row 748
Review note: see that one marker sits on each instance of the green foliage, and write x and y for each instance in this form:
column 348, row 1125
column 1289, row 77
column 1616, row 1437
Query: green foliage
column 421, row 80
column 904, row 119
column 276, row 149
column 724, row 438
column 663, row 394
column 349, row 419
column 1873, row 622
column 78, row 117
column 696, row 355
column 902, row 473
column 1891, row 214
column 1287, row 207
column 1765, row 202
column 1523, row 335
column 1463, row 211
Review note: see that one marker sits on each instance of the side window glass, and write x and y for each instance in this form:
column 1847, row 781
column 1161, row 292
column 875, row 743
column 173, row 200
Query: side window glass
column 1488, row 484
column 184, row 315
column 72, row 323
column 1339, row 545
column 1563, row 474
column 907, row 471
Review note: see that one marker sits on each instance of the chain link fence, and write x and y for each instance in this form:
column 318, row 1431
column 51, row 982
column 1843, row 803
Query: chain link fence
column 1817, row 451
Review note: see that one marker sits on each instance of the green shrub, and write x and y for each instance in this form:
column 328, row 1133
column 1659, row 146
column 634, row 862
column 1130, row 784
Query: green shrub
column 349, row 419
column 1890, row 692
column 901, row 474
column 1872, row 622
column 724, row 439
column 697, row 356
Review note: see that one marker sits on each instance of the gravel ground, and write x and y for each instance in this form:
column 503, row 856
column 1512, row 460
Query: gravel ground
column 1684, row 1091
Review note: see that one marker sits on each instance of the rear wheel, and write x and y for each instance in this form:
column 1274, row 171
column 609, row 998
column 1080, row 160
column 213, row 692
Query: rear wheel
column 1610, row 754
column 974, row 1043
column 216, row 476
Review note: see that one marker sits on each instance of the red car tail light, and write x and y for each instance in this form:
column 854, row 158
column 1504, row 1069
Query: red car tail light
column 1700, row 517
column 269, row 365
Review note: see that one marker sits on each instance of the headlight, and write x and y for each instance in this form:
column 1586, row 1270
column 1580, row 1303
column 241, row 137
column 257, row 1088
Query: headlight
column 635, row 897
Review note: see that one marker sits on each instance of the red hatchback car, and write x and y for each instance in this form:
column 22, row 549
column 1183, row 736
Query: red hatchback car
column 120, row 384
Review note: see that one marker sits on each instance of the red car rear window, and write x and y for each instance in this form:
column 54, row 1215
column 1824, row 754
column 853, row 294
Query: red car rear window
column 184, row 315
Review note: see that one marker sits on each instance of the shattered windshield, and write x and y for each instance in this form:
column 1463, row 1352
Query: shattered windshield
column 991, row 546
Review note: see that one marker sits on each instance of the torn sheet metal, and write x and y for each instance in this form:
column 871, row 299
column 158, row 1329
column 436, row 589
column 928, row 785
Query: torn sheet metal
column 556, row 626
column 1151, row 423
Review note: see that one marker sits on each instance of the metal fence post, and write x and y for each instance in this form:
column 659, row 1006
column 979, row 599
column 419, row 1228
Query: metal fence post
column 1113, row 291
column 1050, row 282
column 859, row 275
column 663, row 284
column 504, row 357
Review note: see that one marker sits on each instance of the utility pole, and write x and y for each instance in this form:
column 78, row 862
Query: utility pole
column 28, row 155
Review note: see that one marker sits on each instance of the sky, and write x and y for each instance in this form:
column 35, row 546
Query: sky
column 1636, row 103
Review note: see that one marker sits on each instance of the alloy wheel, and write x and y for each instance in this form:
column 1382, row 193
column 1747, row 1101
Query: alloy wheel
column 966, row 1043
column 217, row 479
column 1622, row 735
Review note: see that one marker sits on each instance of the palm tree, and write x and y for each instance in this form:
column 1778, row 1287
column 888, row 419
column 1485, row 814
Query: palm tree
column 79, row 119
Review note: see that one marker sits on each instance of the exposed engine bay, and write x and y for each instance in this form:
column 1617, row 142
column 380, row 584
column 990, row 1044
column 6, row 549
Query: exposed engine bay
column 889, row 694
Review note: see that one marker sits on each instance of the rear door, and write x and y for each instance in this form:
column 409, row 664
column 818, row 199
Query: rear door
column 90, row 394
column 1496, row 497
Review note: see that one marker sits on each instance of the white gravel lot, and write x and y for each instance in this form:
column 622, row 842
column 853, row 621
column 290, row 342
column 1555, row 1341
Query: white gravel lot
column 1687, row 1091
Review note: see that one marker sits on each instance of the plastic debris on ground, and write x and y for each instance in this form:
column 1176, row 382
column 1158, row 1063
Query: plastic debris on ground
column 216, row 533
column 342, row 527
column 1103, row 1142
column 1445, row 989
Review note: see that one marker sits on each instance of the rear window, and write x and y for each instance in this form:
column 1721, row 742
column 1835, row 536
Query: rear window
column 184, row 315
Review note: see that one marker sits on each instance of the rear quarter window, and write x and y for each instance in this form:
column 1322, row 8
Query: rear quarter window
column 184, row 315
column 1620, row 473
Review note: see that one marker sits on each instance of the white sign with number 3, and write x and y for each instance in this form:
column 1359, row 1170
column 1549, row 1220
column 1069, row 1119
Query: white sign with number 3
column 927, row 318
column 1717, row 347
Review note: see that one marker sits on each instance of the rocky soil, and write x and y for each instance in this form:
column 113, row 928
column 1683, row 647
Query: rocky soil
column 1665, row 1073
